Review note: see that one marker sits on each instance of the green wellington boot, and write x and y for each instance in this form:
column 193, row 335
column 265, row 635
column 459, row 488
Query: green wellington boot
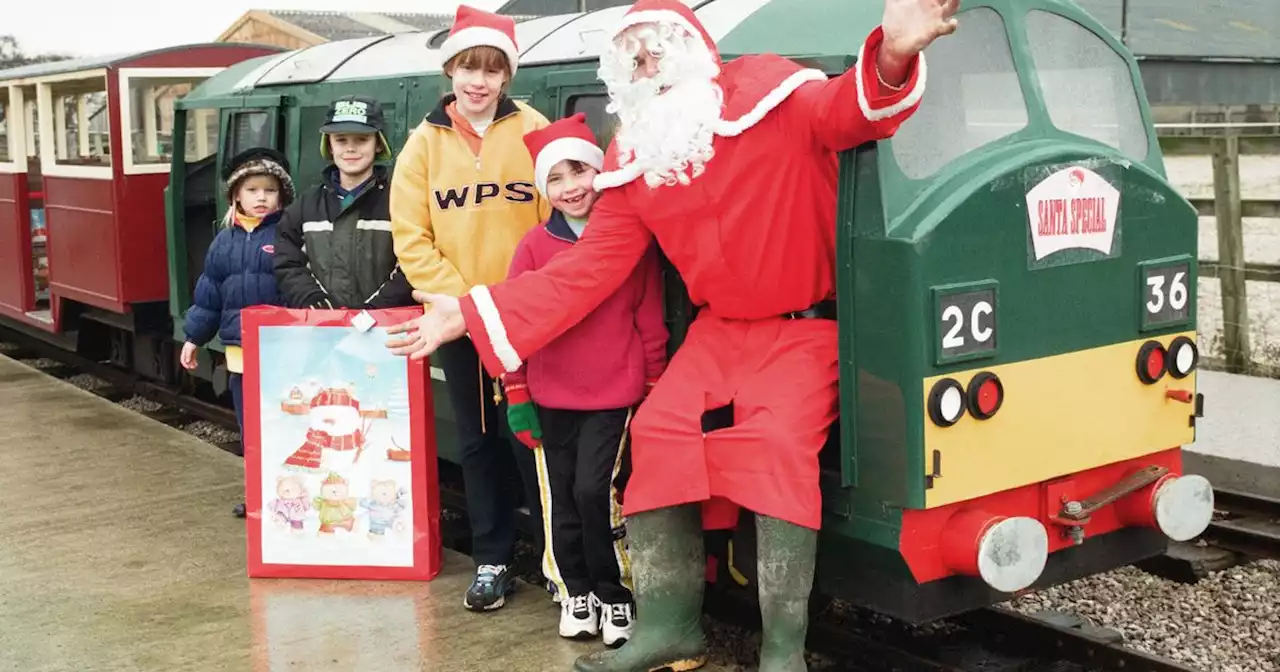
column 785, row 559
column 669, row 565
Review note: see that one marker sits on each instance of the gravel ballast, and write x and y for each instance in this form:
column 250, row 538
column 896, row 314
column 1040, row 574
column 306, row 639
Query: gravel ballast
column 141, row 404
column 211, row 433
column 1227, row 622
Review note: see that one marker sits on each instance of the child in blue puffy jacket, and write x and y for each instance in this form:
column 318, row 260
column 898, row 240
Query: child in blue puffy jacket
column 238, row 269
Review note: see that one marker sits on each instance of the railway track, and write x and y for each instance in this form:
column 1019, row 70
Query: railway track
column 173, row 406
column 1244, row 523
column 988, row 640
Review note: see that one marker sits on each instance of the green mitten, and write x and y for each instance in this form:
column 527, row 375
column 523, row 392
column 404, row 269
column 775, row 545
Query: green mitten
column 522, row 417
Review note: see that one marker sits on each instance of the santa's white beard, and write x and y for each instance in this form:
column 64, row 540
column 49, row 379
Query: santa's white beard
column 667, row 136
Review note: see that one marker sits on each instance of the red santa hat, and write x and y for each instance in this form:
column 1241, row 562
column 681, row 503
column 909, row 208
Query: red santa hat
column 477, row 28
column 667, row 11
column 568, row 138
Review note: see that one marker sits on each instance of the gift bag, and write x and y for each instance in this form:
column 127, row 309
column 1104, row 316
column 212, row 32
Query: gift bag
column 339, row 448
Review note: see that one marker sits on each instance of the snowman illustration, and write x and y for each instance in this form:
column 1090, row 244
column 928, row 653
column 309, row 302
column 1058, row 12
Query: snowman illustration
column 335, row 434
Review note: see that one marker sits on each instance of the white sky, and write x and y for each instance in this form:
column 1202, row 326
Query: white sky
column 91, row 27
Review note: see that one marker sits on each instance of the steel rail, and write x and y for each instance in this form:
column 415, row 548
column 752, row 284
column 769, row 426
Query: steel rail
column 1250, row 524
column 1031, row 636
column 123, row 384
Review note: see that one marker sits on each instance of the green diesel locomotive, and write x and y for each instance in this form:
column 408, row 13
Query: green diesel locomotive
column 1017, row 284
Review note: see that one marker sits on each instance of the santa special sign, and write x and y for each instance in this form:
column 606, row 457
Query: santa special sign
column 1072, row 209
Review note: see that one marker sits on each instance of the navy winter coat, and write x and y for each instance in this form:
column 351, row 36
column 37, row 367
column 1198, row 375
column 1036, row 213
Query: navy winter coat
column 238, row 273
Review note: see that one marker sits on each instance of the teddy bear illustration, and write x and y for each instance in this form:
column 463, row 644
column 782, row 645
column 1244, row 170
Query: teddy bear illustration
column 384, row 507
column 290, row 507
column 335, row 508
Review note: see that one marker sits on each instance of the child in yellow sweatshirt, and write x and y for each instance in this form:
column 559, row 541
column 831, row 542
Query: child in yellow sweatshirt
column 462, row 197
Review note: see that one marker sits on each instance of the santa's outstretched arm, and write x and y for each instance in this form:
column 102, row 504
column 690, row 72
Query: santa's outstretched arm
column 512, row 319
column 858, row 106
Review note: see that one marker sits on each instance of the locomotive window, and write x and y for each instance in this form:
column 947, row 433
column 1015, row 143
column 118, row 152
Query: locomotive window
column 1087, row 85
column 248, row 129
column 973, row 97
column 202, row 135
column 602, row 123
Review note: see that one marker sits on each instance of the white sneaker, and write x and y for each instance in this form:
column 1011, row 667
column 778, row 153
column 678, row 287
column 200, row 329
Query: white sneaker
column 616, row 621
column 579, row 616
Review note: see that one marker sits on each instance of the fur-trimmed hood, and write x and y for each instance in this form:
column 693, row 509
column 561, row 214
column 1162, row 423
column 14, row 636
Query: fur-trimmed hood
column 259, row 161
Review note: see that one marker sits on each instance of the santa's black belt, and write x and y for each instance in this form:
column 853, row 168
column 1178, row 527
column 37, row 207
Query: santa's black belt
column 823, row 310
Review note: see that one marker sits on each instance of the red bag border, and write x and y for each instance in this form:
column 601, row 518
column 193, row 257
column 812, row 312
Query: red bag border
column 427, row 548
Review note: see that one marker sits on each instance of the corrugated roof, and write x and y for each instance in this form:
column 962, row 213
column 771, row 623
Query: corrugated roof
column 1247, row 29
column 426, row 22
column 553, row 7
column 332, row 26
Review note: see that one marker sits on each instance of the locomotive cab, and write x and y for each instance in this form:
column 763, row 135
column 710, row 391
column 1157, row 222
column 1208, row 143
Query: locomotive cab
column 1017, row 320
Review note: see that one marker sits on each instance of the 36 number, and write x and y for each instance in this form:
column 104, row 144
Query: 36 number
column 1177, row 292
column 981, row 334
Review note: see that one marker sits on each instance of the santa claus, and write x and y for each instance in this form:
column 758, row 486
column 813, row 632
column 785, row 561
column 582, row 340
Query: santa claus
column 732, row 168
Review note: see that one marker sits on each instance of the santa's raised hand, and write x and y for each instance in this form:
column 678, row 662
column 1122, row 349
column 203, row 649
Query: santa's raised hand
column 909, row 27
column 439, row 325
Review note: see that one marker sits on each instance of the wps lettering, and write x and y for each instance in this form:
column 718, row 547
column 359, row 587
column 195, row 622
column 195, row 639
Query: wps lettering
column 481, row 193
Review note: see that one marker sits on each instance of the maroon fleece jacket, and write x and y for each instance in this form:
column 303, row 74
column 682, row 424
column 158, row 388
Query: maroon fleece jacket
column 608, row 359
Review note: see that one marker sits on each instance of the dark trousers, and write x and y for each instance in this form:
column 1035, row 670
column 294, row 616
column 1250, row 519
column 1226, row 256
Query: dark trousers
column 495, row 467
column 235, row 383
column 585, row 469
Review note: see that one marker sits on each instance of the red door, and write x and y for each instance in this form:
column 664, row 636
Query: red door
column 17, row 290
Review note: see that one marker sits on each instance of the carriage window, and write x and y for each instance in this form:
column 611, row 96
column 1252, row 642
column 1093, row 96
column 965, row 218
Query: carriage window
column 603, row 124
column 248, row 129
column 6, row 130
column 150, row 112
column 973, row 97
column 32, row 126
column 81, row 126
column 1087, row 85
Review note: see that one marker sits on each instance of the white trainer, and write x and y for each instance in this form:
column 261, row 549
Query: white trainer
column 617, row 621
column 579, row 616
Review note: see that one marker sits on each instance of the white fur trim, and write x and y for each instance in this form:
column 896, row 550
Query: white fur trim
column 493, row 326
column 766, row 104
column 723, row 127
column 657, row 16
column 480, row 36
column 897, row 108
column 565, row 148
column 616, row 178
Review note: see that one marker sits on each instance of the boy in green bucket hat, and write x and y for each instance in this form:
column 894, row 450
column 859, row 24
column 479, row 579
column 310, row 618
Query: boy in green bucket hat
column 334, row 248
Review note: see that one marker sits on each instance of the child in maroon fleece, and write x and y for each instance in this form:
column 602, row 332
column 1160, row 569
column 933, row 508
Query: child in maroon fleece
column 573, row 400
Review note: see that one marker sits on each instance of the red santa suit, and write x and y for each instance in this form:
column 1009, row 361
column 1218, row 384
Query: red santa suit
column 753, row 238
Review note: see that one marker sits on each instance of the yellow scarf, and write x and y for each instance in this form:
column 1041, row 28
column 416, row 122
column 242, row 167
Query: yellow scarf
column 247, row 222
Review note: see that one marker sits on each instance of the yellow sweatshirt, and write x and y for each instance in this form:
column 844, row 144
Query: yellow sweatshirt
column 457, row 216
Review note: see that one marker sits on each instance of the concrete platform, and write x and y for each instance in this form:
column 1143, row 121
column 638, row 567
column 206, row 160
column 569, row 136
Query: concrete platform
column 1238, row 440
column 120, row 552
